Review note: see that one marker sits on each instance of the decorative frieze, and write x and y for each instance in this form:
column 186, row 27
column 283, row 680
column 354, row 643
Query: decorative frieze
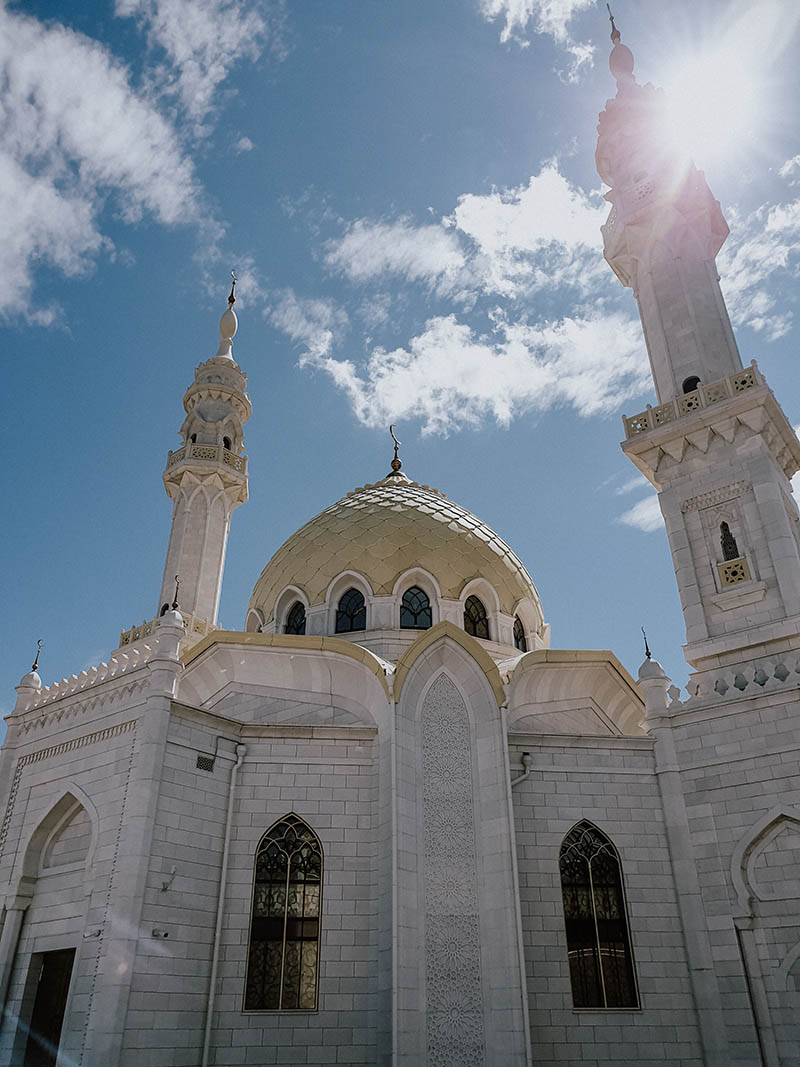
column 715, row 496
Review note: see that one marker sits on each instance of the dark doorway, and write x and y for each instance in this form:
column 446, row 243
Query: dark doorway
column 49, row 1005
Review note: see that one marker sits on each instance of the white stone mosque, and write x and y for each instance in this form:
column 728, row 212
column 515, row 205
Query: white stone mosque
column 386, row 822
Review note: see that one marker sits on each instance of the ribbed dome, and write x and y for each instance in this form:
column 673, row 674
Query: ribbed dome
column 381, row 531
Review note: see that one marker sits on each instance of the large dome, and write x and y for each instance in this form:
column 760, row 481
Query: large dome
column 384, row 531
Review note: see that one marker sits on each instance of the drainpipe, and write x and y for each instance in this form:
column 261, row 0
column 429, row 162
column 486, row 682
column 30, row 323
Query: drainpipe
column 223, row 878
column 527, row 764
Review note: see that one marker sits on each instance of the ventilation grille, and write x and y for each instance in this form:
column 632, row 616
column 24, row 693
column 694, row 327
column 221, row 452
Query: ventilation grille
column 205, row 763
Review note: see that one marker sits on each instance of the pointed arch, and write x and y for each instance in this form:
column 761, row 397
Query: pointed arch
column 599, row 947
column 750, row 846
column 449, row 630
column 69, row 805
column 285, row 917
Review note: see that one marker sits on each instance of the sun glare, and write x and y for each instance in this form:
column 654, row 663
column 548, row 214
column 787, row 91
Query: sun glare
column 711, row 104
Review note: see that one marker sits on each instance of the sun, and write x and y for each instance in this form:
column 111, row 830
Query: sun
column 711, row 105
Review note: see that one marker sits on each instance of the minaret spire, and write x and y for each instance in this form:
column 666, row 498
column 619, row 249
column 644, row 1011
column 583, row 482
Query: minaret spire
column 206, row 478
column 717, row 446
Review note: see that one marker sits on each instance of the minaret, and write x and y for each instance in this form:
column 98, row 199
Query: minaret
column 717, row 447
column 206, row 478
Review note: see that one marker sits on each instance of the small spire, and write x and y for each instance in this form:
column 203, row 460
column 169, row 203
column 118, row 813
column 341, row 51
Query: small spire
column 615, row 34
column 38, row 652
column 175, row 601
column 232, row 297
column 647, row 652
column 228, row 324
column 396, row 462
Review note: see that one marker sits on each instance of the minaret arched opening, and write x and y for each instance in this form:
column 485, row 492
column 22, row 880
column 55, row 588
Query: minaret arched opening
column 690, row 383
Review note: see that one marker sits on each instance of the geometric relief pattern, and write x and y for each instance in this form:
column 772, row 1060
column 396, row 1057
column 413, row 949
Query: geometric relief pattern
column 454, row 1019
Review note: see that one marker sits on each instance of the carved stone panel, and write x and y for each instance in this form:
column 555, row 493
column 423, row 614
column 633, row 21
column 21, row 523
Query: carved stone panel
column 454, row 1016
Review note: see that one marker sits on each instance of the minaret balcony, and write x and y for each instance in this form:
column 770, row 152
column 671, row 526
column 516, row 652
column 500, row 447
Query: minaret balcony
column 687, row 403
column 203, row 454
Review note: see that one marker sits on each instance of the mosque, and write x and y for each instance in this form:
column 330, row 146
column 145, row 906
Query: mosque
column 386, row 822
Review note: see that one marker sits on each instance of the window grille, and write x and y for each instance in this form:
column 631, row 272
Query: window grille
column 519, row 635
column 295, row 619
column 730, row 550
column 598, row 939
column 351, row 613
column 283, row 956
column 476, row 622
column 415, row 610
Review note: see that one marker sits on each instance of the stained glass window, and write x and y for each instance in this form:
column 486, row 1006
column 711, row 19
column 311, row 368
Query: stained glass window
column 296, row 619
column 475, row 621
column 519, row 635
column 415, row 610
column 283, row 959
column 598, row 940
column 351, row 613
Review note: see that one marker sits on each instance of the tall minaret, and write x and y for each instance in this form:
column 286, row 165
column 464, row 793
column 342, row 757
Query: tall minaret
column 206, row 478
column 717, row 447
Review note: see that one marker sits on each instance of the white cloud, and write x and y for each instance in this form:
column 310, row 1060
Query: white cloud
column 545, row 233
column 244, row 144
column 638, row 481
column 762, row 251
column 203, row 40
column 541, row 235
column 316, row 324
column 550, row 17
column 374, row 250
column 644, row 516
column 73, row 133
column 448, row 376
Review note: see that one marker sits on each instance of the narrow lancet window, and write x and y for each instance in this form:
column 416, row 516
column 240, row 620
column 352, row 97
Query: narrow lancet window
column 730, row 550
column 598, row 940
column 415, row 610
column 283, row 956
column 519, row 635
column 476, row 622
column 295, row 619
column 351, row 613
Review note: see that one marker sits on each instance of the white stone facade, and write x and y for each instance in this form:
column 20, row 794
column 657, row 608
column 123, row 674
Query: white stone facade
column 437, row 774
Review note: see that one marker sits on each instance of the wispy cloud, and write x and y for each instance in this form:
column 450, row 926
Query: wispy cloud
column 73, row 133
column 762, row 252
column 645, row 515
column 543, row 234
column 449, row 376
column 201, row 41
column 551, row 17
column 244, row 144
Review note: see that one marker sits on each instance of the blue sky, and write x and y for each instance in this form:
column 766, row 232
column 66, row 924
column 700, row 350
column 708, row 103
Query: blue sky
column 408, row 194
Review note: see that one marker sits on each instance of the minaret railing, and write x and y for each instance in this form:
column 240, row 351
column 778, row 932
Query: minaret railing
column 206, row 453
column 686, row 403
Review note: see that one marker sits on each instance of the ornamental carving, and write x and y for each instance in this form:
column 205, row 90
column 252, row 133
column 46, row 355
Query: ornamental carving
column 454, row 1018
column 715, row 496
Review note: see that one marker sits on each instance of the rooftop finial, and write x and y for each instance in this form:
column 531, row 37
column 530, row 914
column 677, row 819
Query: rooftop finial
column 38, row 651
column 232, row 297
column 228, row 324
column 615, row 34
column 175, row 601
column 648, row 654
column 396, row 462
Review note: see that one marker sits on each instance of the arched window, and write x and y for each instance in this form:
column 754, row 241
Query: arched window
column 193, row 438
column 690, row 384
column 519, row 635
column 475, row 621
column 730, row 550
column 283, row 957
column 595, row 915
column 295, row 619
column 164, row 609
column 226, row 443
column 415, row 610
column 351, row 613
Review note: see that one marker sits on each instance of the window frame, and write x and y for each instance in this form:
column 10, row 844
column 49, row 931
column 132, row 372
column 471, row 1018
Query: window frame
column 610, row 849
column 477, row 599
column 523, row 638
column 337, row 611
column 265, row 837
column 418, row 591
column 292, row 608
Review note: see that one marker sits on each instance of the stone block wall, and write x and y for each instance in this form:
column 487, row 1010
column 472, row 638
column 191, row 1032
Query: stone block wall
column 611, row 783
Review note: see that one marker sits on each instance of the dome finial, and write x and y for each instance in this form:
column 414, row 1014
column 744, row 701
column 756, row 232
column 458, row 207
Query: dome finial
column 177, row 586
column 615, row 34
column 228, row 324
column 647, row 652
column 397, row 463
column 38, row 652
